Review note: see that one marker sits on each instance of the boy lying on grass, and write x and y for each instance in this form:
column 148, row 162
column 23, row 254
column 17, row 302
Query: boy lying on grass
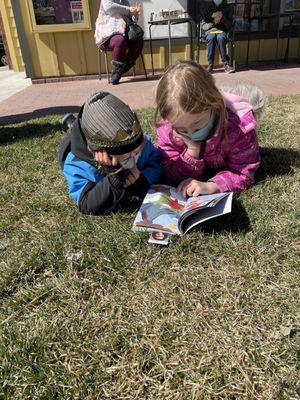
column 106, row 157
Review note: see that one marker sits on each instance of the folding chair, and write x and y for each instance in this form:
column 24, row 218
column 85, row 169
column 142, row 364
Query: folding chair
column 106, row 64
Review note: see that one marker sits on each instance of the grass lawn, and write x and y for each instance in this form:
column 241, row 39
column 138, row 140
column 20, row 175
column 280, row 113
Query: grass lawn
column 213, row 316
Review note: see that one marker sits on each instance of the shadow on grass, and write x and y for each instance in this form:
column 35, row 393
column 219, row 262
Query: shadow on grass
column 12, row 134
column 35, row 128
column 276, row 162
column 17, row 118
column 236, row 222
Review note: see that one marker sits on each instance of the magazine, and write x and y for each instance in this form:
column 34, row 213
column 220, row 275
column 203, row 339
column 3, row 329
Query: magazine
column 166, row 211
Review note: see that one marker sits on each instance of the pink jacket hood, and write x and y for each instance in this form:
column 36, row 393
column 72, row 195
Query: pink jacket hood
column 242, row 108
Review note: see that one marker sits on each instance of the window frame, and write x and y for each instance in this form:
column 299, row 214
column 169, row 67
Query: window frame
column 86, row 25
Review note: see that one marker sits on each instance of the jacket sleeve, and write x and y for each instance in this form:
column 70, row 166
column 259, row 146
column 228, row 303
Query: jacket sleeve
column 103, row 197
column 177, row 163
column 207, row 13
column 112, row 7
column 94, row 194
column 243, row 159
column 151, row 169
column 227, row 17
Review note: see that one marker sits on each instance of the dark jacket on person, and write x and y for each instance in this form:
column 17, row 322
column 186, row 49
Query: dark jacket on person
column 94, row 191
column 225, row 24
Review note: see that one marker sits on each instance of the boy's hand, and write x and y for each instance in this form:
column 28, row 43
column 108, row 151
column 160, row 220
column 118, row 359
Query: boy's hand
column 103, row 158
column 132, row 177
column 193, row 148
column 192, row 187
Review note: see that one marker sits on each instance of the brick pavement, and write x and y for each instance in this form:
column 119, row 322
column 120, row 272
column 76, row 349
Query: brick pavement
column 58, row 98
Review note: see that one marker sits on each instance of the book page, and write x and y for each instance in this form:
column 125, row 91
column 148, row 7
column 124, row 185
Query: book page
column 203, row 201
column 160, row 210
column 221, row 206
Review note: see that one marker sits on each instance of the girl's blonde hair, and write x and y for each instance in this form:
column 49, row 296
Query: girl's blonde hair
column 188, row 87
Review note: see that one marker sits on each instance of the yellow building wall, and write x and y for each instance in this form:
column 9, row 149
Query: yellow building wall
column 70, row 53
column 66, row 53
column 11, row 33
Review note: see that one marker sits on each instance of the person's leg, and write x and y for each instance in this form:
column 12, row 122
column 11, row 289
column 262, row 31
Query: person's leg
column 211, row 45
column 119, row 47
column 135, row 49
column 222, row 44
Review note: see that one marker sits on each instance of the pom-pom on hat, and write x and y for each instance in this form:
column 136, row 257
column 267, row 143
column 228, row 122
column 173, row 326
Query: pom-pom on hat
column 109, row 124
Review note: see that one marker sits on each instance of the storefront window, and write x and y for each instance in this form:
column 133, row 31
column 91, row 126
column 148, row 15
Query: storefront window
column 291, row 21
column 249, row 15
column 51, row 15
column 290, row 5
column 262, row 16
column 58, row 12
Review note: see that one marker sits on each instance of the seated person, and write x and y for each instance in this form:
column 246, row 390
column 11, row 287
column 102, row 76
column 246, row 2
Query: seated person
column 124, row 52
column 216, row 25
column 106, row 157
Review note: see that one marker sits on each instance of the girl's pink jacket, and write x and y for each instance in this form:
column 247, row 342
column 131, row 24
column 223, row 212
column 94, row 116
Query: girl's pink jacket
column 232, row 155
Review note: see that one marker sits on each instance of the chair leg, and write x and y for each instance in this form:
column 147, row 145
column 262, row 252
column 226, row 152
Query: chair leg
column 143, row 62
column 106, row 63
column 99, row 64
column 232, row 52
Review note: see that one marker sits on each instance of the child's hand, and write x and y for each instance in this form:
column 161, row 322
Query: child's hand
column 103, row 158
column 217, row 16
column 193, row 148
column 192, row 187
column 132, row 177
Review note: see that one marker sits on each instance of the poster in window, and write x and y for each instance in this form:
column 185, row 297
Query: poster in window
column 77, row 12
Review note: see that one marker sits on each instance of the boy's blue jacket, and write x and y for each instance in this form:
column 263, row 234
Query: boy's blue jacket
column 95, row 192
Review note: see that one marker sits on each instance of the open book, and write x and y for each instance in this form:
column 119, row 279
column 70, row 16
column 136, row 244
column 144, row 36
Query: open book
column 165, row 210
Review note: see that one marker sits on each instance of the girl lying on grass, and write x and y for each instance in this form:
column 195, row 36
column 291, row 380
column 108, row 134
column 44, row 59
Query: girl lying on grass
column 207, row 138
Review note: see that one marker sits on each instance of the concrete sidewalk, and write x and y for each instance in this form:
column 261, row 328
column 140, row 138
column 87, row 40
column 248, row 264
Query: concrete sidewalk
column 58, row 98
column 12, row 82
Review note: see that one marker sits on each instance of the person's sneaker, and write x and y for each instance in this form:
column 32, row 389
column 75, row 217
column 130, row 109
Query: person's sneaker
column 209, row 68
column 228, row 69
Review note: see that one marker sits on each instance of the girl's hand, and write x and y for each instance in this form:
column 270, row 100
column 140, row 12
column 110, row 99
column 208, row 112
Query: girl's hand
column 192, row 187
column 132, row 177
column 193, row 148
column 103, row 158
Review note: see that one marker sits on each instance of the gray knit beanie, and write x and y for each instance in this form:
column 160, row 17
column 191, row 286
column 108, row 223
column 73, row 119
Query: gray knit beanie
column 109, row 124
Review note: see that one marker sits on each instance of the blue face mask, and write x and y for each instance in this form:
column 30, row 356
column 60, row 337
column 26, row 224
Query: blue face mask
column 202, row 133
column 218, row 2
